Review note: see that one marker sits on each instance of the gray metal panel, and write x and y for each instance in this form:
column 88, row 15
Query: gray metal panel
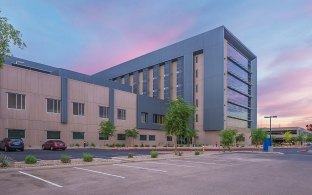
column 111, row 104
column 145, row 78
column 214, row 81
column 136, row 82
column 127, row 79
column 167, row 81
column 155, row 81
column 254, row 93
column 64, row 100
column 151, row 106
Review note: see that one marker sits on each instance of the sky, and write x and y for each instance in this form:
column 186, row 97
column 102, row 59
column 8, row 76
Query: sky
column 88, row 36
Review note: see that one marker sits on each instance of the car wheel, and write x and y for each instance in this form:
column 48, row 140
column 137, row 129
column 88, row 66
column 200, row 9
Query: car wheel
column 51, row 148
column 22, row 149
column 5, row 148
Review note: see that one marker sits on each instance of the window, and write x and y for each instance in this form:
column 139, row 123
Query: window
column 103, row 111
column 103, row 137
column 196, row 88
column 53, row 105
column 144, row 117
column 16, row 101
column 196, row 118
column 196, row 102
column 16, row 133
column 169, row 138
column 196, row 59
column 143, row 137
column 158, row 119
column 78, row 135
column 53, row 135
column 121, row 136
column 152, row 137
column 196, row 73
column 121, row 114
column 78, row 109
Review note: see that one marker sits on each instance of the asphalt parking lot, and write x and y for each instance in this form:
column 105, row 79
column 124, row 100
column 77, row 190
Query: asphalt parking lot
column 236, row 173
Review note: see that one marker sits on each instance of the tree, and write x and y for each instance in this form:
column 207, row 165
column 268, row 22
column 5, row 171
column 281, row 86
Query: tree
column 8, row 34
column 240, row 138
column 132, row 133
column 107, row 129
column 309, row 127
column 258, row 136
column 309, row 137
column 190, row 134
column 227, row 138
column 287, row 136
column 177, row 118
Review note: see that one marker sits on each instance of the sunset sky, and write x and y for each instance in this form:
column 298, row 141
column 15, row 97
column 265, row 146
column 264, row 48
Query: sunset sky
column 91, row 35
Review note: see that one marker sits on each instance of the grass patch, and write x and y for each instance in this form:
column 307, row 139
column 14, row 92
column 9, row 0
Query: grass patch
column 5, row 161
column 197, row 152
column 154, row 154
column 87, row 157
column 30, row 159
column 65, row 158
column 130, row 155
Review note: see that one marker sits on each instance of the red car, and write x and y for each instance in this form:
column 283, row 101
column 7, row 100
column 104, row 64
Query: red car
column 54, row 145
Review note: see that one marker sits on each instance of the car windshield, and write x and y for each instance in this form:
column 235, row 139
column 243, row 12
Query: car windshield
column 59, row 142
column 15, row 139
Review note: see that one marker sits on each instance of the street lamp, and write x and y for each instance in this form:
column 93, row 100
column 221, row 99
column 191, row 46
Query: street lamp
column 270, row 126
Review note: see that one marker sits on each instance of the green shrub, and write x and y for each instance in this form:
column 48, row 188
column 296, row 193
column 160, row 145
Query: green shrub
column 146, row 145
column 154, row 154
column 93, row 145
column 30, row 159
column 130, row 155
column 197, row 152
column 136, row 146
column 65, row 158
column 123, row 145
column 118, row 145
column 77, row 144
column 87, row 157
column 5, row 161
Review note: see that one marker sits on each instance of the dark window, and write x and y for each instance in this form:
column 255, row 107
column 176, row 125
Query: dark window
column 196, row 88
column 158, row 119
column 121, row 136
column 16, row 133
column 143, row 137
column 196, row 117
column 16, row 101
column 103, row 137
column 53, row 105
column 53, row 135
column 144, row 117
column 78, row 135
column 151, row 137
column 103, row 111
column 196, row 59
column 78, row 109
column 121, row 114
column 169, row 138
column 196, row 73
column 196, row 102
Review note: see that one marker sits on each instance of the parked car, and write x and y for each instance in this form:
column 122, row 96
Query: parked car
column 12, row 144
column 54, row 145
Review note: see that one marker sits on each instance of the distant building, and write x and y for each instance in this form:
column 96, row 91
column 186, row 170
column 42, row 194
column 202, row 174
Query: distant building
column 278, row 133
column 213, row 71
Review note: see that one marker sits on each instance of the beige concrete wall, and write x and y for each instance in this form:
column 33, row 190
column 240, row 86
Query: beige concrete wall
column 173, row 80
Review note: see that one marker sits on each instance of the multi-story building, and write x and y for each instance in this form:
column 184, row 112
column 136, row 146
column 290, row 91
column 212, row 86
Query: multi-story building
column 213, row 71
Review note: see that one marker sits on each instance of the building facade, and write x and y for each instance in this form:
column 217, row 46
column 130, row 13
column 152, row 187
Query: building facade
column 213, row 71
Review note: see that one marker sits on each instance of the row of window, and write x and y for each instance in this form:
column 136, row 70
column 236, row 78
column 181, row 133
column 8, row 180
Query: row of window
column 157, row 118
column 17, row 101
column 78, row 135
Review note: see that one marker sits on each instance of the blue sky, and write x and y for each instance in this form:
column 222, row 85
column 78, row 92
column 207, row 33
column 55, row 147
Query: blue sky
column 91, row 35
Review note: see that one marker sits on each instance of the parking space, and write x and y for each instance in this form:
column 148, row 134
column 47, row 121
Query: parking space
column 171, row 176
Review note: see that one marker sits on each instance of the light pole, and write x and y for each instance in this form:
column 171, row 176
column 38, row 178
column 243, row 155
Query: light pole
column 270, row 126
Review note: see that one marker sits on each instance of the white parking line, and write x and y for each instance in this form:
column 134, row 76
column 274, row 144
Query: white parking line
column 140, row 168
column 100, row 172
column 170, row 164
column 54, row 184
column 196, row 162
